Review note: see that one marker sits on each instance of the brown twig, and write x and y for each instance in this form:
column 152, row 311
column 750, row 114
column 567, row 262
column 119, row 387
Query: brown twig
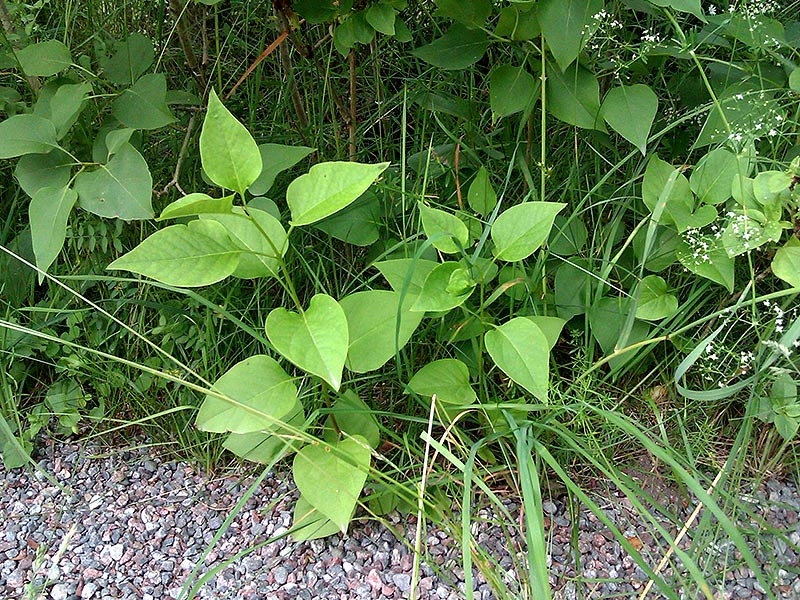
column 191, row 59
column 181, row 154
column 267, row 51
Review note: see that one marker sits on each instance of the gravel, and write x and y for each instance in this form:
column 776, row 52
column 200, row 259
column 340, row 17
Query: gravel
column 136, row 526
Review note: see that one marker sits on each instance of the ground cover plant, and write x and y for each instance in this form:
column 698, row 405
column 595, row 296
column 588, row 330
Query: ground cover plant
column 418, row 251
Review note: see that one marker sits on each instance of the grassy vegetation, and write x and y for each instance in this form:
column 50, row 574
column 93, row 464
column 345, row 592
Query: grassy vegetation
column 678, row 352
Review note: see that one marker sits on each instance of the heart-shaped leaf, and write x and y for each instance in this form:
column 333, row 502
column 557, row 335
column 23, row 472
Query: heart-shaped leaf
column 122, row 188
column 229, row 153
column 316, row 341
column 447, row 378
column 48, row 212
column 522, row 352
column 26, row 134
column 144, row 104
column 327, row 188
column 36, row 171
column 45, row 58
column 438, row 292
column 310, row 524
column 786, row 263
column 331, row 477
column 353, row 417
column 630, row 110
column 258, row 382
column 655, row 302
column 457, row 49
column 182, row 256
column 567, row 25
column 521, row 229
column 445, row 231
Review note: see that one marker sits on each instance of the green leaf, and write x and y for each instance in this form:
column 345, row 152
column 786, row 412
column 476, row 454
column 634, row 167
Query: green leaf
column 274, row 159
column 265, row 448
column 66, row 105
column 786, row 263
column 132, row 59
column 436, row 294
column 259, row 383
column 521, row 350
column 713, row 264
column 567, row 25
column 457, row 49
column 122, row 188
column 666, row 187
column 447, row 378
column 574, row 97
column 608, row 319
column 26, row 134
column 144, row 105
column 327, row 188
column 468, row 12
column 182, row 256
column 372, row 322
column 481, row 197
column 748, row 112
column 229, row 153
column 48, row 213
column 690, row 6
column 331, row 476
column 794, row 80
column 116, row 138
column 316, row 11
column 655, row 302
column 713, row 176
column 310, row 524
column 572, row 284
column 511, row 90
column 260, row 255
column 406, row 275
column 551, row 327
column 520, row 230
column 518, row 23
column 44, row 59
column 744, row 233
column 353, row 417
column 351, row 31
column 567, row 236
column 355, row 224
column 196, row 204
column 381, row 17
column 446, row 232
column 630, row 111
column 36, row 171
column 316, row 341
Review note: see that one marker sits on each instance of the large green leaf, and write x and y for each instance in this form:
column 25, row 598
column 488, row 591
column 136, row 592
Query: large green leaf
column 712, row 178
column 608, row 319
column 48, row 212
column 381, row 17
column 144, row 104
column 310, row 524
column 711, row 262
column 265, row 446
column 260, row 236
column 45, row 58
column 457, row 49
column 521, row 229
column 665, row 185
column 481, row 197
column 551, row 327
column 122, row 188
column 786, row 263
column 630, row 110
column 274, row 159
column 36, row 171
column 229, row 153
column 447, row 378
column 327, row 188
column 468, row 12
column 26, row 134
column 573, row 284
column 132, row 59
column 439, row 293
column 446, row 232
column 185, row 256
column 655, row 302
column 574, row 97
column 406, row 275
column 521, row 350
column 745, row 111
column 196, row 204
column 257, row 382
column 316, row 340
column 567, row 25
column 690, row 6
column 372, row 323
column 331, row 477
column 353, row 417
column 356, row 223
column 511, row 90
column 65, row 106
